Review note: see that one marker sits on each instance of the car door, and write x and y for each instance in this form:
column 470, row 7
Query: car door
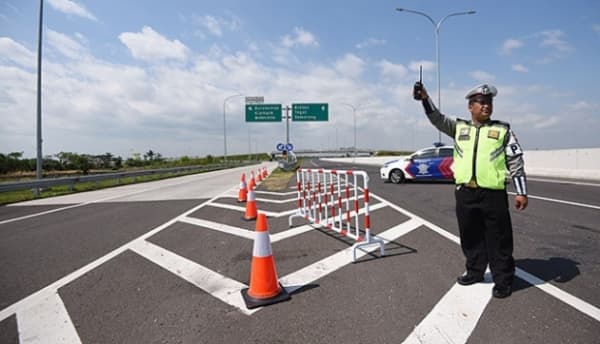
column 422, row 164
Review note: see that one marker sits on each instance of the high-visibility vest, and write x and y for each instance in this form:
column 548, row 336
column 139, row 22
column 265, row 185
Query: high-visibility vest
column 479, row 154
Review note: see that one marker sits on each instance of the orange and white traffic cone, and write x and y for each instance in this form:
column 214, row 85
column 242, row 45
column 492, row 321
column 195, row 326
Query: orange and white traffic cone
column 252, row 182
column 251, row 210
column 243, row 194
column 265, row 174
column 264, row 285
column 259, row 176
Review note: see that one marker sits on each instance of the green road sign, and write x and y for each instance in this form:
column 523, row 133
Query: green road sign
column 310, row 112
column 263, row 112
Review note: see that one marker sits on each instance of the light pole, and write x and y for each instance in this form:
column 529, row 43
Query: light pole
column 437, row 48
column 38, row 168
column 354, row 108
column 225, row 124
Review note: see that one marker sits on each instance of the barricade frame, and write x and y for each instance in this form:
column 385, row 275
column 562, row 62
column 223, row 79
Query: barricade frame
column 319, row 191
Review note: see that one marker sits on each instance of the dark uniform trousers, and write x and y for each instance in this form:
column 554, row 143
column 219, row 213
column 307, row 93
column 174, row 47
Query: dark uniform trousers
column 486, row 232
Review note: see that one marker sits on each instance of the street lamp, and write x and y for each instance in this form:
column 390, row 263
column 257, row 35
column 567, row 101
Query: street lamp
column 437, row 48
column 225, row 124
column 39, row 161
column 354, row 108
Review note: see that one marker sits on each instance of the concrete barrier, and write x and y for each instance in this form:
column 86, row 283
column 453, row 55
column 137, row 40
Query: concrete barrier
column 583, row 163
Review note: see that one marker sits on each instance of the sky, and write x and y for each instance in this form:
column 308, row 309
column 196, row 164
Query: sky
column 126, row 77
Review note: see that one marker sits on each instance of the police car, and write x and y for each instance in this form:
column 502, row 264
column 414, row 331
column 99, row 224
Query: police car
column 434, row 163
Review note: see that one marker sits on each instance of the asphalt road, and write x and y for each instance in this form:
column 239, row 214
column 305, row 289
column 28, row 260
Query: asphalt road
column 164, row 262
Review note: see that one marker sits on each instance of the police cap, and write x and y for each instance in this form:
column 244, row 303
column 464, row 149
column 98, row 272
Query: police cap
column 485, row 89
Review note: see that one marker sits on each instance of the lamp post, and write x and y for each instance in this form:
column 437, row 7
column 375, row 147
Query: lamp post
column 354, row 108
column 225, row 124
column 39, row 161
column 437, row 48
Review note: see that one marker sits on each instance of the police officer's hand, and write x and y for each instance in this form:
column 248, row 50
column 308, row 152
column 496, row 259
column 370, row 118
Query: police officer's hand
column 521, row 202
column 419, row 91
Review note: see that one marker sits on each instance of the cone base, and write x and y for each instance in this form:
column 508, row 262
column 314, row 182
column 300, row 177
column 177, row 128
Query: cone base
column 249, row 218
column 252, row 302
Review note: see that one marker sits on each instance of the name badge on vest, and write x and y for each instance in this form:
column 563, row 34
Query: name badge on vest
column 493, row 134
column 464, row 134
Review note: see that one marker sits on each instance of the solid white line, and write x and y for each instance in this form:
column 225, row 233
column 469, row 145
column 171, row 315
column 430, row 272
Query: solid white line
column 558, row 181
column 240, row 232
column 455, row 316
column 565, row 297
column 561, row 201
column 38, row 296
column 276, row 193
column 47, row 322
column 313, row 272
column 559, row 294
column 219, row 286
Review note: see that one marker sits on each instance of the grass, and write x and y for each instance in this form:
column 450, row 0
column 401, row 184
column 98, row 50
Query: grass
column 278, row 180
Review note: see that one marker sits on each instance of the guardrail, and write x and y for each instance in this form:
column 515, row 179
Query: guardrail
column 71, row 181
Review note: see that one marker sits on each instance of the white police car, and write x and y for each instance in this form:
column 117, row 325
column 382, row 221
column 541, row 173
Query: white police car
column 434, row 163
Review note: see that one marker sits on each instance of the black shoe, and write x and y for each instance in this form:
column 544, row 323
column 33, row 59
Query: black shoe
column 468, row 279
column 501, row 292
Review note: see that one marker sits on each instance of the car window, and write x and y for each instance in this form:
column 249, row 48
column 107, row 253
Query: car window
column 446, row 152
column 426, row 154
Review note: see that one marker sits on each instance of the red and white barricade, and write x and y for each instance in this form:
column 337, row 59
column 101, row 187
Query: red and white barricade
column 330, row 198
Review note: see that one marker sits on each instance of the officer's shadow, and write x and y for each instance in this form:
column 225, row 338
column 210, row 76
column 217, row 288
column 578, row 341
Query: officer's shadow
column 555, row 269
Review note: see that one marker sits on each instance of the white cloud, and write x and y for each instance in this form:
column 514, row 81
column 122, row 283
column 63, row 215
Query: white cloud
column 519, row 68
column 426, row 65
column 65, row 45
column 216, row 25
column 350, row 66
column 370, row 42
column 554, row 40
column 17, row 53
column 149, row 45
column 509, row 45
column 391, row 71
column 71, row 7
column 482, row 76
column 300, row 37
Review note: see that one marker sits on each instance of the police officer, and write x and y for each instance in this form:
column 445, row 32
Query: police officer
column 483, row 150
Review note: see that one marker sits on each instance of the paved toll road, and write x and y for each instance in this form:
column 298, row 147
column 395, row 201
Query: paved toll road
column 169, row 270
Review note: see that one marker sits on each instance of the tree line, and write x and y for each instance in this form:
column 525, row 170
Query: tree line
column 84, row 163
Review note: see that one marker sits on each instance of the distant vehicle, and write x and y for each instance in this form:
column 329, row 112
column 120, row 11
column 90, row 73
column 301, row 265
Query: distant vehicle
column 434, row 163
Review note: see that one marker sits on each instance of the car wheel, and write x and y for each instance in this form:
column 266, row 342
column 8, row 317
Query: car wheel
column 396, row 176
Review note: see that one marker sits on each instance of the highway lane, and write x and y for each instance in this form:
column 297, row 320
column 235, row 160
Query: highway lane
column 127, row 298
column 556, row 241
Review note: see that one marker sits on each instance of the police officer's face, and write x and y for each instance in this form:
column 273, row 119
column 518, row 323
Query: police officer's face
column 481, row 108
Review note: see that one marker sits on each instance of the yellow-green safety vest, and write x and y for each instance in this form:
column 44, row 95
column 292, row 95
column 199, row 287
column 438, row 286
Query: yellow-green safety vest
column 479, row 154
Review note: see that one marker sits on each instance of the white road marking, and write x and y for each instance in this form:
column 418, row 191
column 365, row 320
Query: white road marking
column 313, row 272
column 561, row 201
column 217, row 226
column 563, row 296
column 455, row 316
column 46, row 322
column 219, row 286
column 558, row 181
column 548, row 288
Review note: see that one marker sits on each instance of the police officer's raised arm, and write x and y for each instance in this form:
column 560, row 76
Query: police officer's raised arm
column 441, row 122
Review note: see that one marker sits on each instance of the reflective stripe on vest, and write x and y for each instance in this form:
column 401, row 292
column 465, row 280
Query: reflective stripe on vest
column 479, row 154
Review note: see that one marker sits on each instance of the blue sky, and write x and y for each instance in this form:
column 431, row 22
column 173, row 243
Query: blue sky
column 128, row 76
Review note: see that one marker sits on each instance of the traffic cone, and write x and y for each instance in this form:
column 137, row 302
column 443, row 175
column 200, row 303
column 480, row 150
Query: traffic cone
column 259, row 176
column 265, row 174
column 243, row 194
column 264, row 286
column 252, row 182
column 251, row 210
